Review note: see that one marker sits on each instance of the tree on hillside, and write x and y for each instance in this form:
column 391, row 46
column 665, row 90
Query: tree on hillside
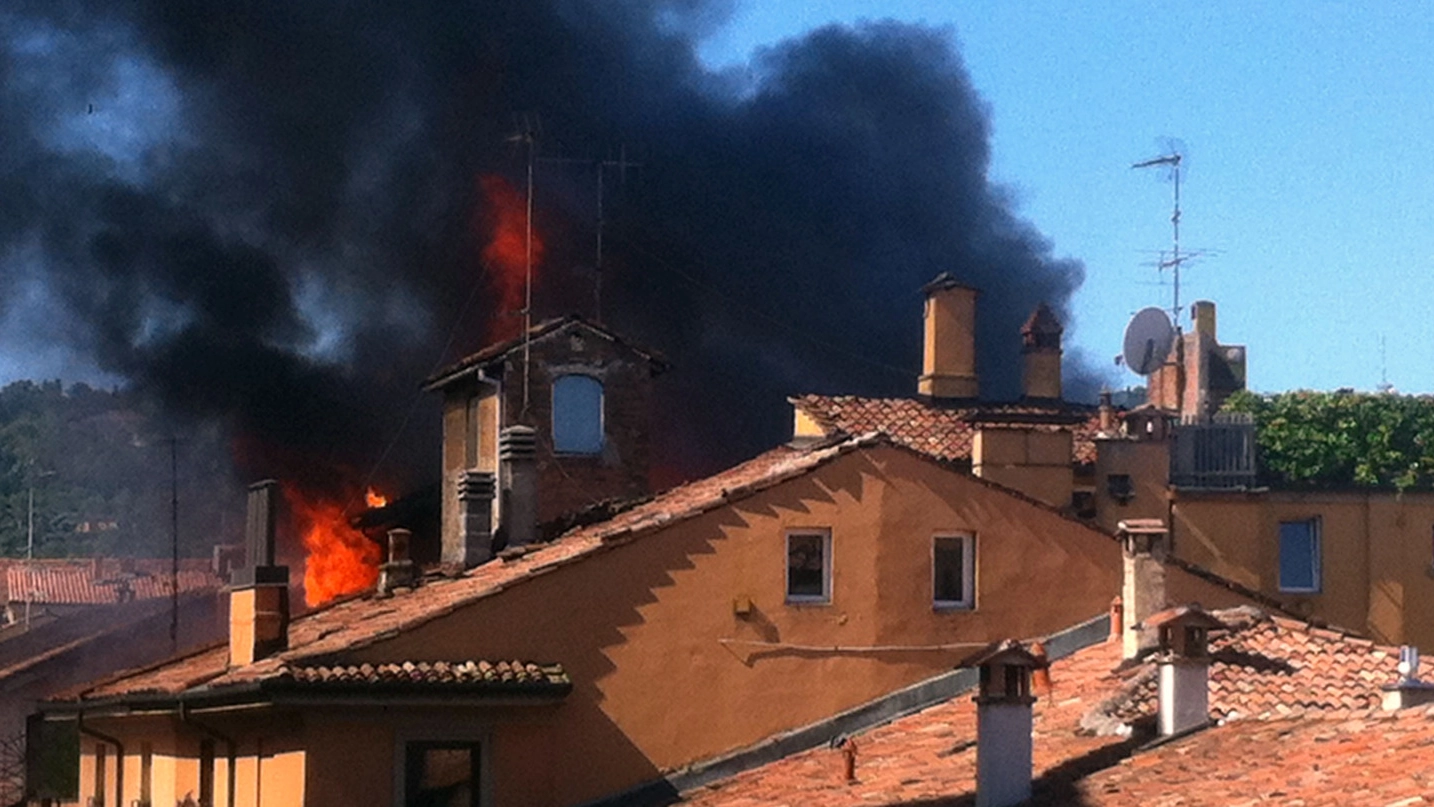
column 1344, row 438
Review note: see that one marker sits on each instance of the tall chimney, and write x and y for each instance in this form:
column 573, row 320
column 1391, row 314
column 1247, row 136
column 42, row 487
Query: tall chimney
column 948, row 368
column 1145, row 544
column 1003, row 723
column 1202, row 313
column 518, row 465
column 1041, row 351
column 472, row 542
column 1183, row 635
column 259, row 594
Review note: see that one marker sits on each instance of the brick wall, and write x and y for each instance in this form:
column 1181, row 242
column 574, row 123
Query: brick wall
column 571, row 482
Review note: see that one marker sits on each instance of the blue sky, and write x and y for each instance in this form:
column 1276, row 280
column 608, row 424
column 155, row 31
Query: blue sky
column 1306, row 128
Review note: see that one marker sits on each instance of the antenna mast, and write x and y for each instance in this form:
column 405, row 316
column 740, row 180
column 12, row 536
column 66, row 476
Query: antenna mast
column 528, row 136
column 621, row 164
column 1173, row 160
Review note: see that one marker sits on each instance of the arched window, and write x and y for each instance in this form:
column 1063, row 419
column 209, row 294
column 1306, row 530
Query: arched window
column 577, row 415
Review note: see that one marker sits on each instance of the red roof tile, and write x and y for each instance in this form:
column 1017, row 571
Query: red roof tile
column 944, row 432
column 101, row 581
column 1299, row 725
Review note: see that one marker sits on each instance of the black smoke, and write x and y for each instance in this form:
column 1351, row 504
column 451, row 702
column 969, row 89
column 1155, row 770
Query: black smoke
column 263, row 212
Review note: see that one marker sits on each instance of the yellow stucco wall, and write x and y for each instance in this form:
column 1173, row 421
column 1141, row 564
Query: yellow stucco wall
column 641, row 629
column 1375, row 553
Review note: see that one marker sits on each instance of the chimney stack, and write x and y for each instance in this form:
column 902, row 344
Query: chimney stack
column 472, row 543
column 398, row 571
column 1202, row 313
column 1183, row 635
column 518, row 464
column 1106, row 414
column 1003, row 723
column 1409, row 691
column 259, row 594
column 1041, row 352
column 1145, row 543
column 948, row 368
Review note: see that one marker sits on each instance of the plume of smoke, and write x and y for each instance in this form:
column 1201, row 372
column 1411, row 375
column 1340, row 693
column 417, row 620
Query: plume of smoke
column 260, row 212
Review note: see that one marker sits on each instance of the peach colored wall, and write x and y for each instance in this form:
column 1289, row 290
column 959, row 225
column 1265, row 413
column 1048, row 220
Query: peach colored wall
column 270, row 769
column 1035, row 462
column 639, row 628
column 1147, row 463
column 1375, row 553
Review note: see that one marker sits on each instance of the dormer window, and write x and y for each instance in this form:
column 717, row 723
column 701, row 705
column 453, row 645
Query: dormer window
column 577, row 415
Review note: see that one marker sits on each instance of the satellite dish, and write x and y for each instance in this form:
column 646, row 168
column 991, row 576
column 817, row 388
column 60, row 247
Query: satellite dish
column 1148, row 338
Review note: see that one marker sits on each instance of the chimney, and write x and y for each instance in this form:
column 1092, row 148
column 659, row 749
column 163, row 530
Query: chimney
column 518, row 465
column 398, row 571
column 1003, row 724
column 472, row 542
column 1041, row 352
column 1409, row 691
column 1106, row 414
column 259, row 594
column 1145, row 544
column 1202, row 313
column 1183, row 636
column 948, row 368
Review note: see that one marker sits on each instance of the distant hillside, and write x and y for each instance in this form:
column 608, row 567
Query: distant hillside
column 99, row 466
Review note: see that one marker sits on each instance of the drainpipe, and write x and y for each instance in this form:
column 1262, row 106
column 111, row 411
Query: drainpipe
column 119, row 756
column 228, row 741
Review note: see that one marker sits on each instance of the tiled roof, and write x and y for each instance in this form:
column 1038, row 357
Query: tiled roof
column 362, row 620
column 99, row 582
column 944, row 432
column 502, row 674
column 1300, row 722
column 1267, row 667
column 538, row 331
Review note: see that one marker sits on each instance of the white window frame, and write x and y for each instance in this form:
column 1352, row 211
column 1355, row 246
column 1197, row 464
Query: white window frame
column 825, row 597
column 1317, row 549
column 968, row 572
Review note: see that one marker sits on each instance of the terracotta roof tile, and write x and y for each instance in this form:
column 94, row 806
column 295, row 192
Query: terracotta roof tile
column 944, row 432
column 100, row 582
column 435, row 673
column 1301, row 727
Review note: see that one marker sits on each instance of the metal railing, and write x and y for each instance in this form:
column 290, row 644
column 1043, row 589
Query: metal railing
column 1218, row 452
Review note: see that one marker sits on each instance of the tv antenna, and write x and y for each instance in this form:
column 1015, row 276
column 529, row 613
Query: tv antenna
column 1172, row 160
column 1384, row 386
column 529, row 129
column 622, row 164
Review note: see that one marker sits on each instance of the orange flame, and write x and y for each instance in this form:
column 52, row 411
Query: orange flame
column 341, row 560
column 374, row 499
column 506, row 253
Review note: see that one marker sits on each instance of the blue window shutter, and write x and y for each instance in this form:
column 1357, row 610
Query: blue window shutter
column 1299, row 556
column 577, row 415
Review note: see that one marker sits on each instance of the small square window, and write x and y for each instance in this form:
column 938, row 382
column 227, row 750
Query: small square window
column 953, row 567
column 1300, row 555
column 809, row 566
column 1119, row 487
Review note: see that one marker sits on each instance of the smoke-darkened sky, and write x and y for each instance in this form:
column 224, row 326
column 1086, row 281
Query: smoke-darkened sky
column 265, row 212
